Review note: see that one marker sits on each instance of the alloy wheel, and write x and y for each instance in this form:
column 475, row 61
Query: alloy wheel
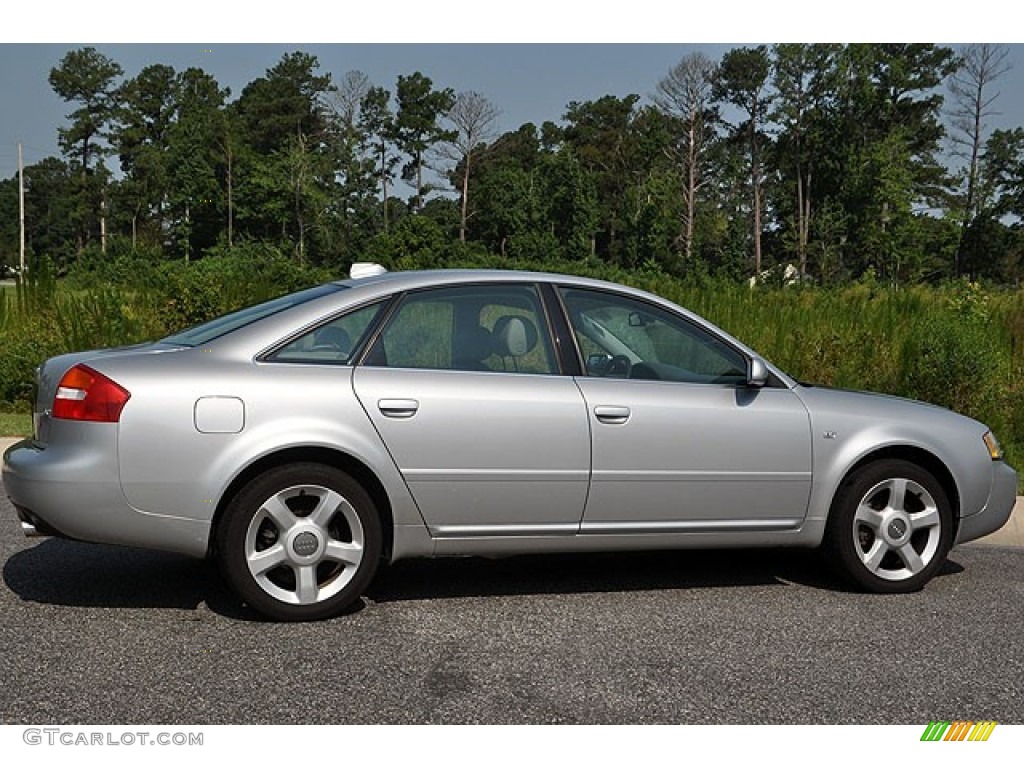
column 304, row 544
column 896, row 529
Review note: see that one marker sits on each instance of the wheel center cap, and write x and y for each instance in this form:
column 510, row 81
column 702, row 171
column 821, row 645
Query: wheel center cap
column 305, row 544
column 897, row 530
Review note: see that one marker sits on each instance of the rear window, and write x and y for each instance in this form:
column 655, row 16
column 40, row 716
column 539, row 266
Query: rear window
column 207, row 332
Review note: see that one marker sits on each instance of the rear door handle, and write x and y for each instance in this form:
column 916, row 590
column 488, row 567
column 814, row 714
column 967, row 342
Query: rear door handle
column 612, row 414
column 398, row 409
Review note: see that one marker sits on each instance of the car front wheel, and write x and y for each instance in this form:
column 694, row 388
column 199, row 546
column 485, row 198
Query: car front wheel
column 890, row 527
column 300, row 542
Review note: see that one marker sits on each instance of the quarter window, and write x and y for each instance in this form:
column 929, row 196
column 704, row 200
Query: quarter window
column 469, row 328
column 333, row 342
column 621, row 337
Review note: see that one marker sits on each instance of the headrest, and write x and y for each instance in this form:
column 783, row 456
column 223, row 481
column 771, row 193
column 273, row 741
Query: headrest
column 514, row 336
column 334, row 336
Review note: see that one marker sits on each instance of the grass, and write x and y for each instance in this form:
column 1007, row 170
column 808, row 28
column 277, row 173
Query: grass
column 15, row 424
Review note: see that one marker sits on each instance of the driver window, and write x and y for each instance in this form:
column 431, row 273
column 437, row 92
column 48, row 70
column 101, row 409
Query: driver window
column 621, row 337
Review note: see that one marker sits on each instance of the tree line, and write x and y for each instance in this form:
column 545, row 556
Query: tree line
column 838, row 160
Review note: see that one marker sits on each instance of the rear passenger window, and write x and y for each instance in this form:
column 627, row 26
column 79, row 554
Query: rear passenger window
column 469, row 328
column 419, row 335
column 333, row 342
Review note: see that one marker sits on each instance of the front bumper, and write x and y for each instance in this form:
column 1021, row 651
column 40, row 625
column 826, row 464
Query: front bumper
column 72, row 489
column 997, row 509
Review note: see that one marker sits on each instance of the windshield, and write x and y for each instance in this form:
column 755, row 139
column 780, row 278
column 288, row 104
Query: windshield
column 207, row 332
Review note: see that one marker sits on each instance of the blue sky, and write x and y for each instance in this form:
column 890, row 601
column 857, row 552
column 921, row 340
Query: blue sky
column 527, row 82
column 621, row 49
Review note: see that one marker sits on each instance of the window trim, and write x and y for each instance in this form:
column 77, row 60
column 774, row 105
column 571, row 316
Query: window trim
column 566, row 347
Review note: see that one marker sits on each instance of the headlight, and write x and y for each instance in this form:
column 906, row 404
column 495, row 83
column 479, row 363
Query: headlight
column 994, row 449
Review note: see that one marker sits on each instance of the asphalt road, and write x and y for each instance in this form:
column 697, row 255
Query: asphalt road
column 95, row 634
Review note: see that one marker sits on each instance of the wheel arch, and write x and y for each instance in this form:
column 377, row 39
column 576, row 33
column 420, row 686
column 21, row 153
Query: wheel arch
column 347, row 463
column 927, row 460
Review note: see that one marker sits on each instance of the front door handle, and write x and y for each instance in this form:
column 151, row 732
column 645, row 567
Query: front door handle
column 398, row 409
column 612, row 414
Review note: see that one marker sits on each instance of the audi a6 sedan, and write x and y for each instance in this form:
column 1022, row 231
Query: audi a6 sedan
column 307, row 440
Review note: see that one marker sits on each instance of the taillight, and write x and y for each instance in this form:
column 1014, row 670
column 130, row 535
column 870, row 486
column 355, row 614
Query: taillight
column 87, row 395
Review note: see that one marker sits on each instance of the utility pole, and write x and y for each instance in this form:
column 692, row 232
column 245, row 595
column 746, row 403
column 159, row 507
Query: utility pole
column 103, row 223
column 21, row 211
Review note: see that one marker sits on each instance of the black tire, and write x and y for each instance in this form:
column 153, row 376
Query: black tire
column 300, row 542
column 871, row 550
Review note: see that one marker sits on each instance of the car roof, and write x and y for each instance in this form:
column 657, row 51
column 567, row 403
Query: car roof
column 423, row 278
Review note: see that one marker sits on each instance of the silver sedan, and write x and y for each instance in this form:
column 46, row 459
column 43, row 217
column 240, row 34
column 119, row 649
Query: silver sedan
column 307, row 440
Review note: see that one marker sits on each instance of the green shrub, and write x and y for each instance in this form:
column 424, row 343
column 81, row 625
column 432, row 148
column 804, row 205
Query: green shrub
column 956, row 362
column 415, row 242
column 185, row 294
column 20, row 353
column 121, row 265
column 106, row 316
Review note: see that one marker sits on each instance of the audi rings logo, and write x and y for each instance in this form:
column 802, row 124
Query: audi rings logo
column 305, row 544
column 897, row 528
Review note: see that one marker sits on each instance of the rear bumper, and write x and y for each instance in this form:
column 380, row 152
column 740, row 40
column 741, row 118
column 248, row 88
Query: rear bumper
column 996, row 511
column 72, row 489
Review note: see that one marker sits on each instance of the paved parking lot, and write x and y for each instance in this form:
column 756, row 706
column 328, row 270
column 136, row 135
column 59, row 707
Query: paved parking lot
column 100, row 634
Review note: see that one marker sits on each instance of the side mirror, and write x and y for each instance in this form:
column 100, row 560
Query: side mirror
column 757, row 372
column 597, row 364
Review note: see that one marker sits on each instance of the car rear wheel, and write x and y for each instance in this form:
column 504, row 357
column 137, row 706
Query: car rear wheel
column 300, row 542
column 890, row 527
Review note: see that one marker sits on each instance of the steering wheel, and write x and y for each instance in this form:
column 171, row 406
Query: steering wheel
column 619, row 367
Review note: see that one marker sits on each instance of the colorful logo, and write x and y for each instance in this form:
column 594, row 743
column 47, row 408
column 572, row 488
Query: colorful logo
column 958, row 730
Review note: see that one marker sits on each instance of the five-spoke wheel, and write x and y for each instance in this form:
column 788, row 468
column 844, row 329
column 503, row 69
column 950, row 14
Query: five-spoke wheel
column 890, row 527
column 300, row 542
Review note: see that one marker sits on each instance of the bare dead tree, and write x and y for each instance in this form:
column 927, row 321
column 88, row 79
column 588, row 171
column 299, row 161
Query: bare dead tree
column 349, row 96
column 474, row 118
column 685, row 94
column 973, row 100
